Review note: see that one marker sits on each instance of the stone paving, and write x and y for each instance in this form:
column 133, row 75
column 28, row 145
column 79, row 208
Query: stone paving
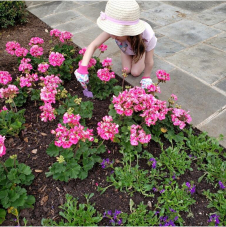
column 191, row 47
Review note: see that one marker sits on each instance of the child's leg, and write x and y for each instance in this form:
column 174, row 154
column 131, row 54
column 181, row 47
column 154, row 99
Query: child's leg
column 126, row 61
column 137, row 68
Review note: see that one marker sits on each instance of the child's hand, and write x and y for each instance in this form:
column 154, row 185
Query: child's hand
column 145, row 82
column 82, row 78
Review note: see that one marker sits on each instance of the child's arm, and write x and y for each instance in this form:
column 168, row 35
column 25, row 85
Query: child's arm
column 104, row 36
column 149, row 62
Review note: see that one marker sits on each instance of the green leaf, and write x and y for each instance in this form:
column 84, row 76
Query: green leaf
column 2, row 215
column 53, row 150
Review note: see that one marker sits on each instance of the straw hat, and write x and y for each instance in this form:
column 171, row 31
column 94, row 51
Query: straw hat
column 121, row 18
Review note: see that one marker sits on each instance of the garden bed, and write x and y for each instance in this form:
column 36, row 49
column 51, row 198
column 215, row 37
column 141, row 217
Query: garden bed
column 32, row 142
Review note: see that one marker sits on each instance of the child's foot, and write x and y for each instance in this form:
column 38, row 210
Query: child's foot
column 145, row 82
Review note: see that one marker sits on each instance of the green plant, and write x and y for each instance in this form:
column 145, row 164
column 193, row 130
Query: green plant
column 11, row 123
column 2, row 215
column 76, row 214
column 175, row 160
column 217, row 201
column 13, row 176
column 74, row 162
column 12, row 12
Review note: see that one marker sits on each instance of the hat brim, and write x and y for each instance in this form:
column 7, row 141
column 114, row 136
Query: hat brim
column 121, row 30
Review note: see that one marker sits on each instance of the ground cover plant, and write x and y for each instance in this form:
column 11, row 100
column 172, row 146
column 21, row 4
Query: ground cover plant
column 124, row 157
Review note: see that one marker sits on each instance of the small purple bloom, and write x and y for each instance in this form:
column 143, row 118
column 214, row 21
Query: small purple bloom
column 175, row 218
column 154, row 162
column 117, row 212
column 192, row 190
column 214, row 218
column 221, row 185
column 162, row 191
column 171, row 223
column 155, row 189
column 161, row 218
column 120, row 221
column 188, row 184
column 174, row 177
column 157, row 212
column 165, row 218
column 172, row 210
column 190, row 156
column 109, row 212
column 105, row 163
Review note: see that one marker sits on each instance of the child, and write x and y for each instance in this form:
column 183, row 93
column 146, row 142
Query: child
column 134, row 37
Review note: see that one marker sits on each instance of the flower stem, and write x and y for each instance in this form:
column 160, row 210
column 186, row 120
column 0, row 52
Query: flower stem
column 2, row 163
column 15, row 106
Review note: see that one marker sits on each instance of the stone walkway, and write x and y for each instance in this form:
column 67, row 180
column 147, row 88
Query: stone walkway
column 191, row 47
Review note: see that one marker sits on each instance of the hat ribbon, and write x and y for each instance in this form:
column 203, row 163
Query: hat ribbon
column 103, row 16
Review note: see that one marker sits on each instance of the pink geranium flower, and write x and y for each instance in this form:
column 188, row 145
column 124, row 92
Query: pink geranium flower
column 65, row 36
column 180, row 117
column 82, row 51
column 55, row 32
column 36, row 51
column 11, row 47
column 43, row 67
column 56, row 59
column 102, row 47
column 5, row 77
column 36, row 41
column 162, row 75
column 107, row 62
column 21, row 52
column 138, row 135
column 2, row 146
column 105, row 74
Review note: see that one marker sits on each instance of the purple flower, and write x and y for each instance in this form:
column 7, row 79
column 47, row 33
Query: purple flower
column 109, row 212
column 192, row 190
column 120, row 221
column 214, row 218
column 171, row 223
column 117, row 212
column 157, row 212
column 154, row 163
column 162, row 191
column 165, row 218
column 221, row 185
column 172, row 210
column 155, row 189
column 188, row 184
column 175, row 218
column 105, row 163
column 161, row 218
column 174, row 177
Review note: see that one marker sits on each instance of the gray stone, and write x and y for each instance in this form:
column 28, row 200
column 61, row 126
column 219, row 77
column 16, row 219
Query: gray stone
column 76, row 26
column 135, row 81
column 152, row 24
column 90, row 11
column 188, row 32
column 204, row 62
column 218, row 41
column 35, row 3
column 193, row 95
column 83, row 39
column 222, row 84
column 164, row 14
column 166, row 47
column 221, row 25
column 86, row 2
column 146, row 5
column 211, row 16
column 194, row 6
column 44, row 10
column 216, row 127
column 65, row 6
column 61, row 18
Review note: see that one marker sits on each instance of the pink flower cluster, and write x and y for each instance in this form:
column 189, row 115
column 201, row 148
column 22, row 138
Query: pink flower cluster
column 65, row 36
column 105, row 74
column 67, row 137
column 47, row 95
column 162, row 75
column 180, row 117
column 28, row 80
column 9, row 92
column 21, row 52
column 82, row 51
column 138, row 135
column 61, row 35
column 11, row 47
column 56, row 59
column 43, row 67
column 4, row 108
column 153, row 88
column 36, row 51
column 2, row 146
column 107, row 62
column 36, row 41
column 5, row 77
column 135, row 99
column 102, row 47
column 107, row 129
column 24, row 66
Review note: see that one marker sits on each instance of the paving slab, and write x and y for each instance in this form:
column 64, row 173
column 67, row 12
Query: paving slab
column 65, row 6
column 44, row 10
column 61, row 18
column 194, row 6
column 193, row 95
column 83, row 39
column 92, row 12
column 203, row 61
column 34, row 3
column 146, row 5
column 75, row 26
column 164, row 14
column 222, row 85
column 135, row 81
column 211, row 16
column 216, row 127
column 188, row 32
column 221, row 26
column 166, row 47
column 218, row 41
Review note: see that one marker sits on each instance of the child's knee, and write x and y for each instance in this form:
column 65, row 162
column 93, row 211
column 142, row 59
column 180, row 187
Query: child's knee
column 136, row 72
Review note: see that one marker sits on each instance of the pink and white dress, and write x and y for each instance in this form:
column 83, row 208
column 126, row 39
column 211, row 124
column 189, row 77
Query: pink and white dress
column 148, row 36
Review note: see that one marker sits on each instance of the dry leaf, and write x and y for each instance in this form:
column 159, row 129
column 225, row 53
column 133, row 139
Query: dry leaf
column 42, row 189
column 46, row 30
column 117, row 161
column 43, row 134
column 34, row 151
column 26, row 139
column 57, row 189
column 149, row 204
column 38, row 170
column 44, row 200
column 181, row 14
